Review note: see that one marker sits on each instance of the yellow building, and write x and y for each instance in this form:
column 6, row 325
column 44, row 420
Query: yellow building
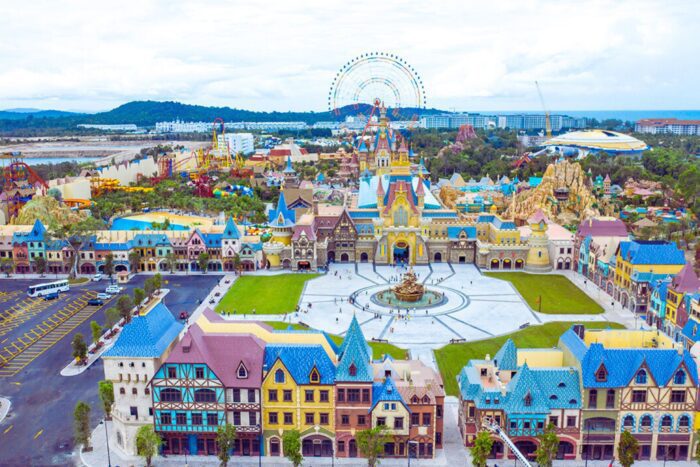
column 656, row 257
column 538, row 254
column 685, row 282
column 297, row 394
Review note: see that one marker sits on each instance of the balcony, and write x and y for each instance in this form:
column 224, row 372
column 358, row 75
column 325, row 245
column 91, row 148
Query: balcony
column 128, row 418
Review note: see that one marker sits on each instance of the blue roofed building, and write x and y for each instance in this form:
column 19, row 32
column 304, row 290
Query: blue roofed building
column 634, row 380
column 523, row 391
column 141, row 348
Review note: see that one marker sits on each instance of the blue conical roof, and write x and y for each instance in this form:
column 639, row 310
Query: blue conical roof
column 231, row 230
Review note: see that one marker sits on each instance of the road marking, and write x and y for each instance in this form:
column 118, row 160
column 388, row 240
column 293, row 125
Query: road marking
column 4, row 340
column 38, row 433
column 7, row 429
column 16, row 383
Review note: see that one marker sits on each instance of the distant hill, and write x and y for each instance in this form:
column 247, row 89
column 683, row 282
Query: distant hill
column 147, row 113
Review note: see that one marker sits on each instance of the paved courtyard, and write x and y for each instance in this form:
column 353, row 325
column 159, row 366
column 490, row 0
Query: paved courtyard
column 476, row 306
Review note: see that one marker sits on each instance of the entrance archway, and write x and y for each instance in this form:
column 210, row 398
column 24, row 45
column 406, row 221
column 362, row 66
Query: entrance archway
column 495, row 264
column 401, row 252
column 507, row 263
column 518, row 264
column 344, row 258
column 331, row 256
column 364, row 258
column 438, row 257
column 303, row 265
column 527, row 447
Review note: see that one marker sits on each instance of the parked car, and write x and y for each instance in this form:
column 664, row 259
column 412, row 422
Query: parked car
column 183, row 315
column 51, row 296
column 103, row 296
column 95, row 302
column 97, row 277
column 113, row 289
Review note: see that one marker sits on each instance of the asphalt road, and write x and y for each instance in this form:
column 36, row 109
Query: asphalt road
column 39, row 429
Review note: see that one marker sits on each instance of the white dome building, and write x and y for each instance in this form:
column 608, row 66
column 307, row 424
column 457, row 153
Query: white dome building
column 595, row 141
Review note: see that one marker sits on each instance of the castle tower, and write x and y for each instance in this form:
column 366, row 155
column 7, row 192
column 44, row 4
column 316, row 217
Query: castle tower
column 383, row 144
column 538, row 254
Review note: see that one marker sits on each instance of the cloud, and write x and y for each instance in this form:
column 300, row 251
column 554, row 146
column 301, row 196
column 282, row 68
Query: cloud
column 280, row 55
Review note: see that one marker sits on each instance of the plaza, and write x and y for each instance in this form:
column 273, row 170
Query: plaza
column 476, row 306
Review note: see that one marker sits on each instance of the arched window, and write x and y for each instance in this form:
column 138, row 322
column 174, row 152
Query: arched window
column 242, row 371
column 679, row 377
column 646, row 422
column 666, row 423
column 641, row 377
column 204, row 395
column 279, row 376
column 170, row 395
column 527, row 400
column 683, row 423
column 314, row 378
column 628, row 422
column 352, row 370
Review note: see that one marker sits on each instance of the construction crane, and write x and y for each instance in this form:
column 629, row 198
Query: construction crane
column 547, row 121
column 493, row 427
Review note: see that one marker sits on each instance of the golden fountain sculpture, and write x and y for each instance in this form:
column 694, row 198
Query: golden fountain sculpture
column 409, row 290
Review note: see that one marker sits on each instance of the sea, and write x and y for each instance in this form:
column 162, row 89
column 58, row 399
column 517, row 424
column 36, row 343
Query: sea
column 624, row 115
column 58, row 160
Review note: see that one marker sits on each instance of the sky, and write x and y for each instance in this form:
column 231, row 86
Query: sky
column 283, row 55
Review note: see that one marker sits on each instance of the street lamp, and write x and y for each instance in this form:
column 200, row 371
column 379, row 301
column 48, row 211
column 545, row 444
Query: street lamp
column 109, row 460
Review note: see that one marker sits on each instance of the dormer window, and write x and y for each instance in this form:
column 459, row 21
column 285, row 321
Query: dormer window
column 641, row 377
column 415, row 399
column 279, row 376
column 242, row 371
column 602, row 374
column 527, row 400
column 314, row 377
column 561, row 385
column 679, row 377
column 352, row 370
column 426, row 399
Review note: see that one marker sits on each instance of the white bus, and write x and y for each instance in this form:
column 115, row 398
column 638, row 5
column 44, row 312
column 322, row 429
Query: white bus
column 41, row 290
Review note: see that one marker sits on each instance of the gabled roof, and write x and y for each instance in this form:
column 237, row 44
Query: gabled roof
column 305, row 229
column 650, row 252
column 453, row 232
column 602, row 228
column 281, row 216
column 231, row 230
column 34, row 235
column 223, row 353
column 507, row 356
column 299, row 360
column 691, row 330
column 354, row 350
column 148, row 335
column 386, row 392
column 686, row 281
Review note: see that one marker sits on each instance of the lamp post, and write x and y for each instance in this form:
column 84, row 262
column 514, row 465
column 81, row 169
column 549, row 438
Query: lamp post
column 109, row 460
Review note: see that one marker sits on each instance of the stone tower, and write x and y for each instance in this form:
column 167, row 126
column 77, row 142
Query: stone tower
column 538, row 254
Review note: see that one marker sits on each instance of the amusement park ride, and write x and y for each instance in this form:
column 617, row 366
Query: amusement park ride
column 19, row 184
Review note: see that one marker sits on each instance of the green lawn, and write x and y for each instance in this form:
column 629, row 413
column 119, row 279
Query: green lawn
column 378, row 348
column 559, row 294
column 452, row 358
column 268, row 295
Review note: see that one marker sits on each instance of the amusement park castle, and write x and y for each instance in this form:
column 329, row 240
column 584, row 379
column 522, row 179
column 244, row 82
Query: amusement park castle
column 393, row 218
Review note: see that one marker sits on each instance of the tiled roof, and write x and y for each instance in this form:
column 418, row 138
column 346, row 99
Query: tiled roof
column 507, row 356
column 354, row 351
column 148, row 335
column 602, row 228
column 386, row 392
column 223, row 354
column 439, row 214
column 231, row 230
column 686, row 281
column 281, row 216
column 651, row 252
column 147, row 239
column 299, row 360
column 691, row 330
column 454, row 232
column 34, row 235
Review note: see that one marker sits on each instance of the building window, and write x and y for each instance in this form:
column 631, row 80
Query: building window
column 415, row 419
column 309, row 418
column 272, row 418
column 678, row 396
column 641, row 377
column 288, row 418
column 570, row 421
column 272, row 395
column 646, row 422
column 243, row 372
column 212, row 419
column 122, row 391
column 287, row 395
column 361, row 420
column 196, row 418
column 398, row 423
column 684, row 422
column 323, row 395
column 352, row 370
column 345, row 419
column 381, row 421
column 610, row 399
column 309, row 395
column 170, row 395
column 236, row 395
column 341, row 446
column 353, row 395
column 554, row 420
column 365, row 395
column 341, row 395
column 471, row 411
column 251, row 395
column 181, row 418
column 679, row 377
column 527, row 400
column 426, row 419
column 166, row 418
column 601, row 375
column 172, row 372
column 639, row 396
column 279, row 376
column 592, row 399
column 204, row 395
column 628, row 422
column 199, row 373
column 323, row 419
column 236, row 418
column 314, row 378
column 134, row 391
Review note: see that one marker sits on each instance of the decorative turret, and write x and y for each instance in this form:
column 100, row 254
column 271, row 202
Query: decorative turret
column 380, row 193
column 538, row 255
column 420, row 193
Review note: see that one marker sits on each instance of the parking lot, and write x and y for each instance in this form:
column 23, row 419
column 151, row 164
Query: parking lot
column 35, row 337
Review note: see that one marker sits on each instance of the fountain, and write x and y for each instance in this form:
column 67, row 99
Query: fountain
column 409, row 294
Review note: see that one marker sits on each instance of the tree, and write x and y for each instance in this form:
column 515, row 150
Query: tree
column 481, row 449
column 697, row 448
column 125, row 305
column 291, row 446
column 7, row 265
column 134, row 261
column 109, row 265
column 371, row 443
column 106, row 391
column 549, row 445
column 203, row 261
column 55, row 193
column 147, row 443
column 111, row 317
column 157, row 281
column 149, row 287
column 237, row 262
column 225, row 436
column 139, row 296
column 79, row 347
column 171, row 259
column 627, row 449
column 81, row 422
column 96, row 331
column 40, row 265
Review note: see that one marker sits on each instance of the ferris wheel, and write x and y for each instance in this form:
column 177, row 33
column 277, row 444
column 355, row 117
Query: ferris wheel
column 377, row 78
